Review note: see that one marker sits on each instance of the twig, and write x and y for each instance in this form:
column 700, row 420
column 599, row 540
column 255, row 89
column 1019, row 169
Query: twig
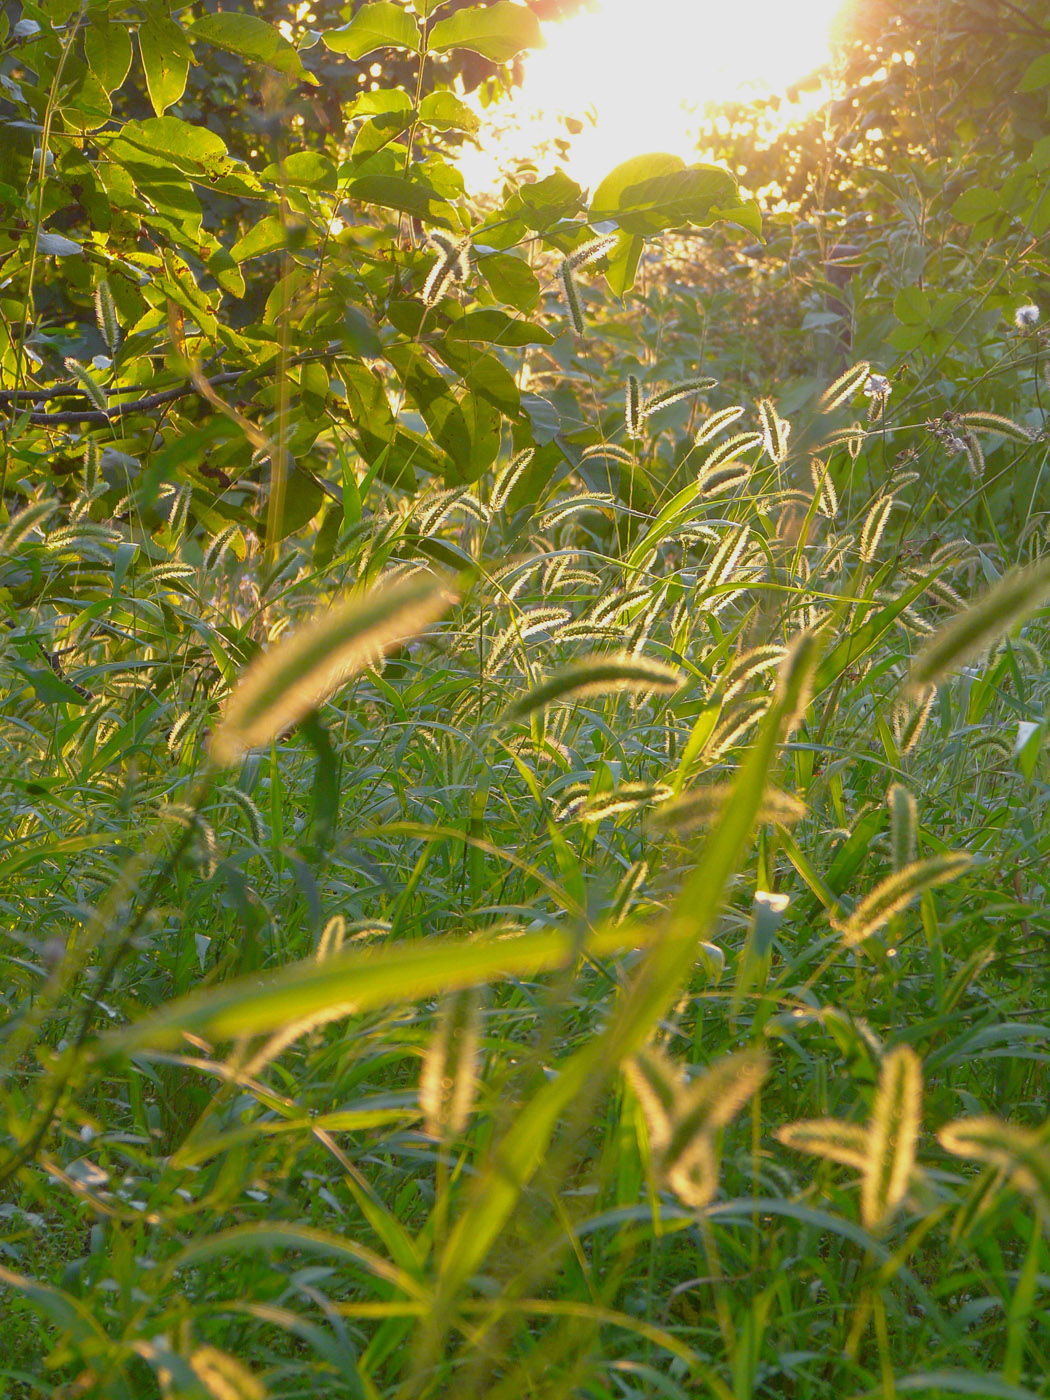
column 103, row 417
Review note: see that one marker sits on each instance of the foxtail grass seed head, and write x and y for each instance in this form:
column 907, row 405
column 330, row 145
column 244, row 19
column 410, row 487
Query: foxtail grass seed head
column 727, row 452
column 996, row 423
column 904, row 822
column 595, row 675
column 658, row 1086
column 609, row 452
column 846, row 1143
column 1021, row 1154
column 571, row 296
column 178, row 731
column 246, row 805
column 675, row 393
column 698, row 807
column 634, row 877
column 909, row 721
column 701, row 1109
column 449, row 1078
column 873, row 527
column 633, row 408
column 106, row 317
column 719, row 480
column 89, row 384
column 303, row 669
column 717, row 423
column 223, row 1376
column 591, row 251
column 893, row 894
column 824, row 487
column 1026, row 317
column 795, row 679
column 892, row 1136
column 970, row 634
column 775, row 431
column 332, row 938
column 845, row 387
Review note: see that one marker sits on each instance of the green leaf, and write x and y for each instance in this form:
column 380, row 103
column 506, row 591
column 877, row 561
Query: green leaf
column 511, row 279
column 250, row 37
column 363, row 979
column 379, row 25
column 936, row 1384
column 622, row 266
column 498, row 32
column 407, row 196
column 165, row 60
column 653, row 192
column 976, row 204
column 491, row 324
column 51, row 689
column 911, row 307
column 1036, row 75
column 303, row 170
column 444, row 111
column 107, row 51
column 540, row 206
column 267, row 236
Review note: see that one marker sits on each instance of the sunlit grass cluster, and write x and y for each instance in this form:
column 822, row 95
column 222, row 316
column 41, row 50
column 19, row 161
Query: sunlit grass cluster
column 607, row 967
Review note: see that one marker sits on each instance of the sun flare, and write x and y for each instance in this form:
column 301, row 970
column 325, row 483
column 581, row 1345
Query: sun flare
column 634, row 70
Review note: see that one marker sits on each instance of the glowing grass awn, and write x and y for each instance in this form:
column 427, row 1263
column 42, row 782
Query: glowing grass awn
column 304, row 668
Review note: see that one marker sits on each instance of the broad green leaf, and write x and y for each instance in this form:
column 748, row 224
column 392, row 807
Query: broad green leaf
column 107, row 50
column 303, row 170
column 491, row 324
column 512, row 280
column 499, row 31
column 540, row 205
column 165, row 60
column 622, row 265
column 444, row 111
column 267, row 236
column 378, row 25
column 911, row 306
column 653, row 192
column 407, row 196
column 250, row 37
column 976, row 204
column 1036, row 75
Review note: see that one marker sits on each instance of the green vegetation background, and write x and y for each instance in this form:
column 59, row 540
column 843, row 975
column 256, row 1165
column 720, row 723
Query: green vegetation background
column 523, row 721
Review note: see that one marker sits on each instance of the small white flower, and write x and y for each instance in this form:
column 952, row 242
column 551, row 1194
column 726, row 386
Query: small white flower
column 877, row 386
column 1026, row 316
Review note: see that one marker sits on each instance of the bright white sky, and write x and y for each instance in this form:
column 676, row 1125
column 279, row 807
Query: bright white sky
column 636, row 62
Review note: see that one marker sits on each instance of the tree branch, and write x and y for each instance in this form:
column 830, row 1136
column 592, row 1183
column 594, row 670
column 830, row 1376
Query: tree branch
column 103, row 417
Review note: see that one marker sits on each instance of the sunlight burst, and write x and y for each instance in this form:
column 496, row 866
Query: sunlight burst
column 634, row 71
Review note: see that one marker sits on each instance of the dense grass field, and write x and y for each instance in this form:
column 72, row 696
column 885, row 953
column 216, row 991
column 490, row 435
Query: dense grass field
column 523, row 723
column 637, row 996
